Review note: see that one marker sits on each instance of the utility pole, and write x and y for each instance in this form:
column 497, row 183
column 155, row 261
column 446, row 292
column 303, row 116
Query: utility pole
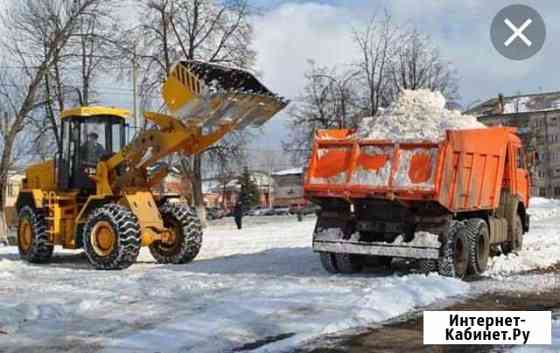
column 135, row 89
column 548, row 165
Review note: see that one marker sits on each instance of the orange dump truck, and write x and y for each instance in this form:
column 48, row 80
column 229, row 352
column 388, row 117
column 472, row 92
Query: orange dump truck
column 448, row 204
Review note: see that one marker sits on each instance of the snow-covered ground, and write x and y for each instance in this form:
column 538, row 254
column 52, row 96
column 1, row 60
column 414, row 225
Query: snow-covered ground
column 260, row 284
column 553, row 348
column 261, row 289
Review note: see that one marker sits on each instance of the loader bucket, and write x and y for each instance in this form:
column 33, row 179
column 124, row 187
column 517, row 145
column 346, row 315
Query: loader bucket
column 208, row 94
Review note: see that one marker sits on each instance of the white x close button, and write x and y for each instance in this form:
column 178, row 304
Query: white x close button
column 518, row 32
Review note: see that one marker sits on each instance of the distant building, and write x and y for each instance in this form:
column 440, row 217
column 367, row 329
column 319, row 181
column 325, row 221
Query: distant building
column 11, row 190
column 537, row 119
column 288, row 187
column 216, row 194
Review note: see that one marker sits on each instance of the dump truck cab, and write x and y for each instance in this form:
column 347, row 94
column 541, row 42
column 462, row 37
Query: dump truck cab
column 89, row 135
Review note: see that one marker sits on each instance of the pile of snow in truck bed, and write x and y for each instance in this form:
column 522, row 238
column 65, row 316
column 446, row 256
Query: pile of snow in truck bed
column 416, row 115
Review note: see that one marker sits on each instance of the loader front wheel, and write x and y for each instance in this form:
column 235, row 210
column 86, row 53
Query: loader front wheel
column 32, row 237
column 111, row 238
column 187, row 235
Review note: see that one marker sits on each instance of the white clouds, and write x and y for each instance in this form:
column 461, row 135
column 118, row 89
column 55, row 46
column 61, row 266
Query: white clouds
column 288, row 36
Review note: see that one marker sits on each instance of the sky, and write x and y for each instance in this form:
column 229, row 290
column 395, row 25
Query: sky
column 290, row 33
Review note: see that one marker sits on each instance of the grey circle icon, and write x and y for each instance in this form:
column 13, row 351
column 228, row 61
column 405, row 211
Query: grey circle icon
column 518, row 32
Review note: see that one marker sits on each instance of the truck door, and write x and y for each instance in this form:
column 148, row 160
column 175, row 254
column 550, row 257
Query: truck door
column 522, row 179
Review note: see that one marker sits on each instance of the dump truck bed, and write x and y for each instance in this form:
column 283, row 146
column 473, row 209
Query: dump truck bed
column 463, row 172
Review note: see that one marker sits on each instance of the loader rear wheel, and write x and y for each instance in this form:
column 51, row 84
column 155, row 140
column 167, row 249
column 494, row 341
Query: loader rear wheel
column 32, row 237
column 517, row 243
column 187, row 235
column 111, row 238
column 477, row 233
column 454, row 258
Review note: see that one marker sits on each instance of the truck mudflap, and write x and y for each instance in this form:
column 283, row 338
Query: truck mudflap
column 375, row 248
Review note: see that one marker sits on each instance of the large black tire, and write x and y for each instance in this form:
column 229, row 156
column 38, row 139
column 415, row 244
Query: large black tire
column 123, row 229
column 32, row 237
column 454, row 258
column 341, row 263
column 188, row 235
column 517, row 243
column 377, row 261
column 328, row 261
column 349, row 263
column 427, row 265
column 479, row 238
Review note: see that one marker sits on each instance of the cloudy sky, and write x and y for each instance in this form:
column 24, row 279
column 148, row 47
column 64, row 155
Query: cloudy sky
column 289, row 33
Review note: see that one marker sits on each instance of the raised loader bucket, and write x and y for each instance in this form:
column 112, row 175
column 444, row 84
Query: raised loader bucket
column 208, row 94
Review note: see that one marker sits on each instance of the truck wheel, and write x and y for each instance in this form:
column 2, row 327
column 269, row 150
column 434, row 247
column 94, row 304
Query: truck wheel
column 328, row 262
column 377, row 261
column 349, row 263
column 187, row 236
column 427, row 266
column 454, row 259
column 341, row 263
column 477, row 233
column 111, row 237
column 32, row 237
column 517, row 243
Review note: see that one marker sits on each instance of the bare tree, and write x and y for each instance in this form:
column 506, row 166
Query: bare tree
column 35, row 31
column 418, row 64
column 377, row 43
column 329, row 101
column 91, row 49
column 209, row 30
column 391, row 58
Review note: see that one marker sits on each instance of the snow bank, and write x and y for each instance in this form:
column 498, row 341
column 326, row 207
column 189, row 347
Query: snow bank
column 416, row 115
column 541, row 245
column 541, row 208
column 261, row 287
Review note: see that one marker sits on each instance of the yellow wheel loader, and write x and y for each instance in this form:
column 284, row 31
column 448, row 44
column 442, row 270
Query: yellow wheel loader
column 97, row 193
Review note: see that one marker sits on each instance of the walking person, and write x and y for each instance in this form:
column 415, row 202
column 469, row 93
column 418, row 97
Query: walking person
column 238, row 214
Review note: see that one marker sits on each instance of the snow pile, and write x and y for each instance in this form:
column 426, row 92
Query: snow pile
column 541, row 245
column 416, row 115
column 541, row 208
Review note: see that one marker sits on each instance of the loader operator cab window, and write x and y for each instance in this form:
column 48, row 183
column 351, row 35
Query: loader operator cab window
column 88, row 140
column 91, row 150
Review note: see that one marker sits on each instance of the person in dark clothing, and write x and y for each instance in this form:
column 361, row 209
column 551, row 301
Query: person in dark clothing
column 238, row 214
column 91, row 150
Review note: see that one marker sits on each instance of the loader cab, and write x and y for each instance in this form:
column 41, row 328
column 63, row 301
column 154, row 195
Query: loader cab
column 89, row 135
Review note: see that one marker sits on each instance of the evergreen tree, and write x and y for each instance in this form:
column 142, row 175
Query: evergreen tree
column 250, row 195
